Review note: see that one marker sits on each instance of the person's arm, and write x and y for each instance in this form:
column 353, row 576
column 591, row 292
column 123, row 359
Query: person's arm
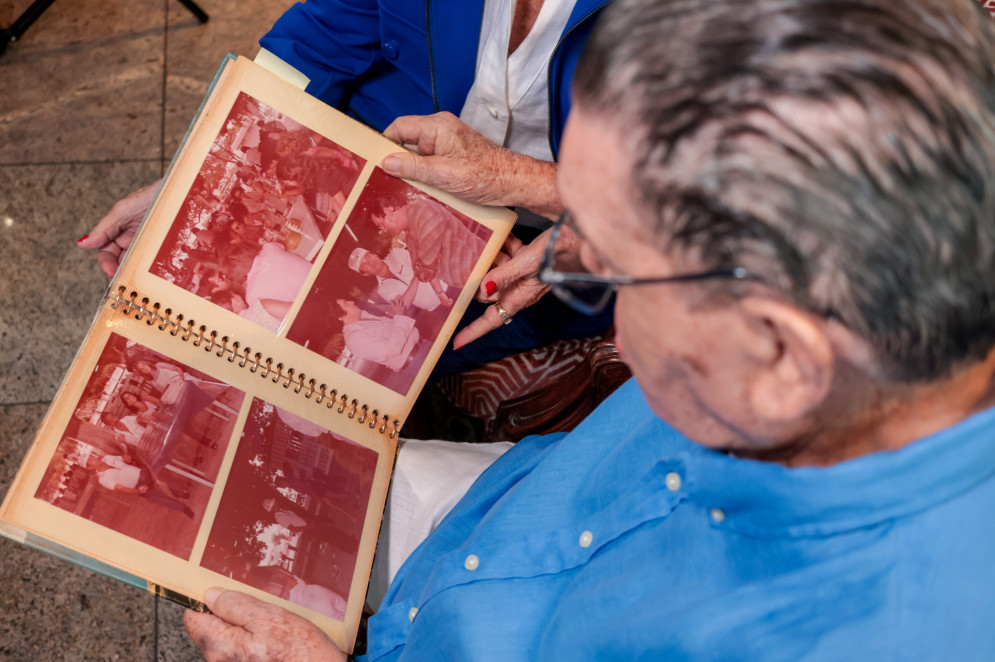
column 123, row 448
column 456, row 158
column 407, row 298
column 141, row 489
column 275, row 307
column 330, row 42
column 440, row 291
column 149, row 398
column 241, row 627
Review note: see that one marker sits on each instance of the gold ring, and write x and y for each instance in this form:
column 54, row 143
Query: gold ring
column 505, row 317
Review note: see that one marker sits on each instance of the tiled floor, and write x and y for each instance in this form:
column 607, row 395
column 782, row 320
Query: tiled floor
column 93, row 101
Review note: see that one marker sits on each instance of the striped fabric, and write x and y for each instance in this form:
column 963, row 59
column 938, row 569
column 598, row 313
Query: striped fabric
column 481, row 391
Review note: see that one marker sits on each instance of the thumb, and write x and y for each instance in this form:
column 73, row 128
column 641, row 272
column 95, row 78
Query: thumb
column 400, row 164
column 234, row 607
column 97, row 238
column 408, row 165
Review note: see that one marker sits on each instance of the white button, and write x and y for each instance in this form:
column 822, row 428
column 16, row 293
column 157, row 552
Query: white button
column 673, row 481
column 471, row 562
column 494, row 112
column 586, row 539
column 412, row 613
column 717, row 515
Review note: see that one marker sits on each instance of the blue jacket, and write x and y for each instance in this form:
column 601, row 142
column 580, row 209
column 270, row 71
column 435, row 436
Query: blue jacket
column 378, row 59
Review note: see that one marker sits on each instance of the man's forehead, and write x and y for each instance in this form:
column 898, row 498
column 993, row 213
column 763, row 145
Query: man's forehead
column 595, row 176
column 590, row 153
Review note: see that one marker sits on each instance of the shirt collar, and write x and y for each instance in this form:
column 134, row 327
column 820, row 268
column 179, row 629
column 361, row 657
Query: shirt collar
column 763, row 498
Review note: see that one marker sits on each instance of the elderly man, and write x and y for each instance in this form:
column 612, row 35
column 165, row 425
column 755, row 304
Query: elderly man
column 795, row 200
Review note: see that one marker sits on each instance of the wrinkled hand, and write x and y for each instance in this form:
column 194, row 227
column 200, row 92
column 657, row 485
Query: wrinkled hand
column 244, row 629
column 514, row 281
column 457, row 159
column 113, row 233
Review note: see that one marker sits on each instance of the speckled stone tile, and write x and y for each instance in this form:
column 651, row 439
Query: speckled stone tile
column 84, row 83
column 194, row 52
column 51, row 288
column 94, row 101
column 51, row 609
column 174, row 645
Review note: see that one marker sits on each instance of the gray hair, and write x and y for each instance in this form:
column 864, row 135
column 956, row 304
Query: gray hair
column 842, row 149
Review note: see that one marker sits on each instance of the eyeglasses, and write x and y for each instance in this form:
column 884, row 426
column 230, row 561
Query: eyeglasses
column 589, row 294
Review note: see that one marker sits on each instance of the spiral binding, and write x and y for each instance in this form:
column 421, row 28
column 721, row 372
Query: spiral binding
column 231, row 350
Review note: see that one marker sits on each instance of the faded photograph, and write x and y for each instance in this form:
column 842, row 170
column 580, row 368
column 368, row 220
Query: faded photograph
column 142, row 451
column 381, row 298
column 257, row 213
column 291, row 516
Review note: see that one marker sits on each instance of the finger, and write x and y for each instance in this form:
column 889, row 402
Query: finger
column 126, row 212
column 479, row 327
column 109, row 259
column 204, row 629
column 420, row 130
column 512, row 245
column 235, row 607
column 413, row 130
column 506, row 275
column 404, row 165
column 500, row 259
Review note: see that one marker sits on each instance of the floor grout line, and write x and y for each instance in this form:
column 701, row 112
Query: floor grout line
column 162, row 152
column 144, row 159
column 165, row 76
column 4, row 405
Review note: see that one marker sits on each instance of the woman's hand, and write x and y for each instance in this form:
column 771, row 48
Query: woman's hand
column 244, row 629
column 113, row 233
column 457, row 159
column 514, row 281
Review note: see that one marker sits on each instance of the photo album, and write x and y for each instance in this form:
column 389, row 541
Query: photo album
column 231, row 418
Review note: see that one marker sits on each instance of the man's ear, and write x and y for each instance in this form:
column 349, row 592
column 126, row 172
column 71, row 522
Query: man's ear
column 794, row 357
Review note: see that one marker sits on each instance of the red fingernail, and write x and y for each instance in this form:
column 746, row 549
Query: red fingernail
column 490, row 288
column 82, row 238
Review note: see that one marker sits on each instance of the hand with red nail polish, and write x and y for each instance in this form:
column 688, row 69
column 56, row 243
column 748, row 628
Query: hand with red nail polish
column 113, row 233
column 513, row 281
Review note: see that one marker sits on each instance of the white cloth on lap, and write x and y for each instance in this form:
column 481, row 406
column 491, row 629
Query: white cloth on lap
column 430, row 477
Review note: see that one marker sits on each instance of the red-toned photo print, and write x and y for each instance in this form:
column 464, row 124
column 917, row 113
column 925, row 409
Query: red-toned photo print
column 257, row 213
column 143, row 448
column 291, row 517
column 389, row 283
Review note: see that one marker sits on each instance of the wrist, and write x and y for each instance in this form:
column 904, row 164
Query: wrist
column 534, row 186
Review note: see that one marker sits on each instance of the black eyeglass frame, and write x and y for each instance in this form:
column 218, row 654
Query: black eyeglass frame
column 559, row 281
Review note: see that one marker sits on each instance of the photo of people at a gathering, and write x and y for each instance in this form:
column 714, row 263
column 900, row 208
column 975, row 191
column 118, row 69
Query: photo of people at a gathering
column 142, row 450
column 381, row 298
column 291, row 517
column 257, row 213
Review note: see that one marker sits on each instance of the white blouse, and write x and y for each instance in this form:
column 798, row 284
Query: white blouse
column 509, row 100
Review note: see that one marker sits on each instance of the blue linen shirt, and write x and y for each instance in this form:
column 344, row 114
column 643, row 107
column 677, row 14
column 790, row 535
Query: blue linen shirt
column 624, row 540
